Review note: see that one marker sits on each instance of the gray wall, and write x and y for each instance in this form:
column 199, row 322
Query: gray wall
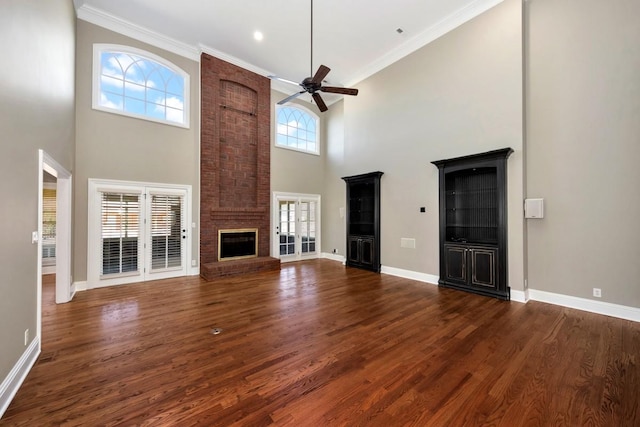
column 111, row 146
column 294, row 171
column 334, row 234
column 459, row 95
column 583, row 147
column 36, row 112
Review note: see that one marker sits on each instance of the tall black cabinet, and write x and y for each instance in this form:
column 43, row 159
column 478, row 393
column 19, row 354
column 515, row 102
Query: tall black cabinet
column 473, row 223
column 363, row 221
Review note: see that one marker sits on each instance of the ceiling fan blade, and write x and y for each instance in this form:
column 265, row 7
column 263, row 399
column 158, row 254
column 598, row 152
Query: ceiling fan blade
column 341, row 90
column 289, row 98
column 283, row 80
column 319, row 102
column 320, row 74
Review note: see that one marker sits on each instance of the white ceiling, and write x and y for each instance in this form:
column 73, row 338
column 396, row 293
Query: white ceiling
column 355, row 38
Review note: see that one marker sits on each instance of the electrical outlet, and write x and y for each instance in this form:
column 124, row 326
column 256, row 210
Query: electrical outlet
column 26, row 336
column 193, row 263
column 597, row 292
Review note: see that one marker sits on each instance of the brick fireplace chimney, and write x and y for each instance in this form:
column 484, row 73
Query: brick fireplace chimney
column 234, row 163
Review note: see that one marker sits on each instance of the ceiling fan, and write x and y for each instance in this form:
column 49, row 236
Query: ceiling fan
column 313, row 85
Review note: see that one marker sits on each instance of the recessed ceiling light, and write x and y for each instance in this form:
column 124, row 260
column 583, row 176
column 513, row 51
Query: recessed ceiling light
column 258, row 35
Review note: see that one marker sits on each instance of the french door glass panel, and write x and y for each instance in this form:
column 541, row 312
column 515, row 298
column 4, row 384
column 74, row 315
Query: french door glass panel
column 167, row 213
column 287, row 214
column 308, row 226
column 120, row 233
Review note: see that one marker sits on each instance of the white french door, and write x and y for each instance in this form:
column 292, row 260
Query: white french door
column 296, row 222
column 136, row 233
column 165, row 234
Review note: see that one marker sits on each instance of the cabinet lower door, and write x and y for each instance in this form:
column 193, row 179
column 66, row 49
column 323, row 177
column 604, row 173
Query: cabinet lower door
column 456, row 263
column 483, row 267
column 366, row 252
column 361, row 251
column 354, row 249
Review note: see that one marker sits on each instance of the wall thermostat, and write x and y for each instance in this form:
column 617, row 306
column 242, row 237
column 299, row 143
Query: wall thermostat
column 534, row 208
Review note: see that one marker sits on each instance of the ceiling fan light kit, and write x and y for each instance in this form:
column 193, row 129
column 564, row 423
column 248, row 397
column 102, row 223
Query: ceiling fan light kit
column 313, row 85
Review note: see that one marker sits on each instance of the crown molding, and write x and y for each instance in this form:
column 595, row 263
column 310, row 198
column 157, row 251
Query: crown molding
column 127, row 28
column 436, row 31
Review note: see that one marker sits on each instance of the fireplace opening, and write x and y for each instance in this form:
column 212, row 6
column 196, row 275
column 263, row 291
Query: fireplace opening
column 237, row 244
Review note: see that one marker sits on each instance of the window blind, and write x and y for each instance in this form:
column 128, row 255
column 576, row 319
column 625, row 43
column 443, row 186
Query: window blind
column 120, row 231
column 48, row 223
column 166, row 231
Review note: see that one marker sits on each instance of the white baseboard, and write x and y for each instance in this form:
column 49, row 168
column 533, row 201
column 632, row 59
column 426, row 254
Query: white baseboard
column 72, row 291
column 195, row 271
column 599, row 307
column 48, row 269
column 408, row 274
column 80, row 286
column 14, row 380
column 584, row 304
column 520, row 296
column 334, row 257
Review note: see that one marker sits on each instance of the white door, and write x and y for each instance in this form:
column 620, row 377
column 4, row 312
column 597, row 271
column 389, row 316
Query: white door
column 296, row 220
column 137, row 233
column 165, row 234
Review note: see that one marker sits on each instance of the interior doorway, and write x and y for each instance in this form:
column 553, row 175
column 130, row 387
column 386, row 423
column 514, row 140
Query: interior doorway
column 62, row 241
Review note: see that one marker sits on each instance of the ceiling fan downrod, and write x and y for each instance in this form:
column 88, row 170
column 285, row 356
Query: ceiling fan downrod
column 311, row 60
column 313, row 83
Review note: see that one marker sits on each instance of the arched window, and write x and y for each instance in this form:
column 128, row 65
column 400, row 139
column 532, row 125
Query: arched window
column 297, row 129
column 140, row 84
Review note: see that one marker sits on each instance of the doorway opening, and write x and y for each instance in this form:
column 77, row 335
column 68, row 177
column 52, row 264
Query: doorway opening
column 54, row 232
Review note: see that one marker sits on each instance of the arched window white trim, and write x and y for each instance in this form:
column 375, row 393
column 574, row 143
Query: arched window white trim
column 297, row 128
column 139, row 84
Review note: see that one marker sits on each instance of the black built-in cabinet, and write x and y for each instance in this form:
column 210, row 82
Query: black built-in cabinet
column 363, row 221
column 473, row 223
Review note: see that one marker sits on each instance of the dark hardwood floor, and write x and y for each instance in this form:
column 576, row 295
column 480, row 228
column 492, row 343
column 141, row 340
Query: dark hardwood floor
column 318, row 344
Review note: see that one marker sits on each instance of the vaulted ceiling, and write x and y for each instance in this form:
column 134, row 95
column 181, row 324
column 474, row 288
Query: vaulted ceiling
column 355, row 38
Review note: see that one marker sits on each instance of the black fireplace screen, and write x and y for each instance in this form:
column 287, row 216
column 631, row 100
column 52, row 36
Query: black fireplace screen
column 237, row 244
